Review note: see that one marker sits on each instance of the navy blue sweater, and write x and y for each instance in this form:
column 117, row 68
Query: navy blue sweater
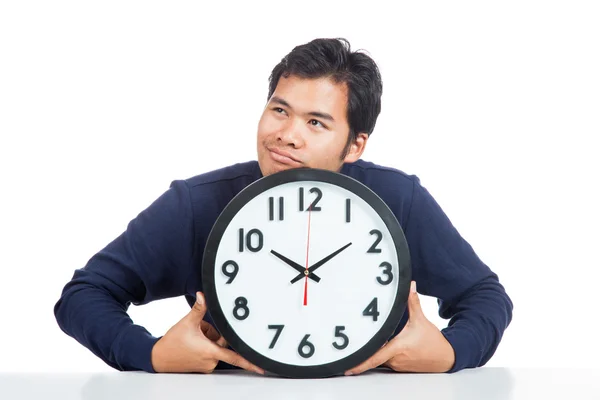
column 160, row 253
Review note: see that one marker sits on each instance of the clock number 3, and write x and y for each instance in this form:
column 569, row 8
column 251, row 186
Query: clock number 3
column 387, row 271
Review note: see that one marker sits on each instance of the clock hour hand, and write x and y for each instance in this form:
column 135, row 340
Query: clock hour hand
column 318, row 264
column 296, row 266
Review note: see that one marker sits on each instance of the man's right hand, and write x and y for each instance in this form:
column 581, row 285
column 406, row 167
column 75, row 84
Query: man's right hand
column 193, row 345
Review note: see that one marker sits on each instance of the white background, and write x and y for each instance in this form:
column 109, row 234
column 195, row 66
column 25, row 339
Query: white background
column 494, row 105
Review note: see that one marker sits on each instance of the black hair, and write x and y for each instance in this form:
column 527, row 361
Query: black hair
column 333, row 58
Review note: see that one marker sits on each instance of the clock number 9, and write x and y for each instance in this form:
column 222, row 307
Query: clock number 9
column 305, row 343
column 387, row 271
column 231, row 275
column 241, row 303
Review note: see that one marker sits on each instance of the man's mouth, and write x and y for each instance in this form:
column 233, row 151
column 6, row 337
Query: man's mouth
column 283, row 157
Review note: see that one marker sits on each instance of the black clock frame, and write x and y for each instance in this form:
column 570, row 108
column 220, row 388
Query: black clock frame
column 209, row 286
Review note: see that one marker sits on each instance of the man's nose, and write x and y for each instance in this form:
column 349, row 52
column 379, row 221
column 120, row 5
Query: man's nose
column 291, row 134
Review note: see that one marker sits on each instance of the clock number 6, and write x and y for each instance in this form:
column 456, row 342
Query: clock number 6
column 241, row 303
column 305, row 343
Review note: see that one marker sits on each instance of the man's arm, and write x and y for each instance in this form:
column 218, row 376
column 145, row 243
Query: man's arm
column 445, row 266
column 149, row 261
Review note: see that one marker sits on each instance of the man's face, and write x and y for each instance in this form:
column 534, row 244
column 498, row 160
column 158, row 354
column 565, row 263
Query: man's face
column 304, row 125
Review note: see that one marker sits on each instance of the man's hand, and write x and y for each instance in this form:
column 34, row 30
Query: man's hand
column 193, row 345
column 419, row 347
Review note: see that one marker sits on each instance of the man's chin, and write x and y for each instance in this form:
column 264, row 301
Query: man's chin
column 274, row 168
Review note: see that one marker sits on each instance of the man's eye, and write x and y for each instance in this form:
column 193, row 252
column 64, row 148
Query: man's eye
column 279, row 110
column 314, row 122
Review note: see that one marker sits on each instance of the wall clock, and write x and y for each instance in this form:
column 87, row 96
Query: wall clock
column 306, row 273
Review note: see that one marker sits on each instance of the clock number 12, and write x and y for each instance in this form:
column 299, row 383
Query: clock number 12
column 313, row 206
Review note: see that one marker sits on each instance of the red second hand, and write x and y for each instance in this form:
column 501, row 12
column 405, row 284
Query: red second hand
column 306, row 271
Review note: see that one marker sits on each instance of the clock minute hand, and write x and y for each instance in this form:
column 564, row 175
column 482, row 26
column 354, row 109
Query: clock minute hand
column 294, row 265
column 319, row 263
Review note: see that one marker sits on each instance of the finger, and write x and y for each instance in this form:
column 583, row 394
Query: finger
column 213, row 334
column 198, row 310
column 235, row 359
column 414, row 303
column 210, row 331
column 380, row 357
column 222, row 342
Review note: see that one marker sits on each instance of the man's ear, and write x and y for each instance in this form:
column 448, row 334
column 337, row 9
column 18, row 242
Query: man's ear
column 357, row 147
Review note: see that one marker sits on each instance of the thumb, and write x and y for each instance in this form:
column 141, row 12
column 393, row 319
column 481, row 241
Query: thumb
column 414, row 304
column 199, row 309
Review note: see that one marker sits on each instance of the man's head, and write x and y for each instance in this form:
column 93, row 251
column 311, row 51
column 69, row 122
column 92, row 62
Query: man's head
column 322, row 106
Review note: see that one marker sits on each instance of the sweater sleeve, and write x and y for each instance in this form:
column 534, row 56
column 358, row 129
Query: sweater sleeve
column 469, row 293
column 147, row 262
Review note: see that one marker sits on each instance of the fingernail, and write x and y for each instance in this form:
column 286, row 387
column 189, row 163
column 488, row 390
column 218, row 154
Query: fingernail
column 198, row 298
column 348, row 373
column 413, row 287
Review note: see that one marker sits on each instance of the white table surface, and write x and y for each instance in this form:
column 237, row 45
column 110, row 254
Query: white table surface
column 482, row 383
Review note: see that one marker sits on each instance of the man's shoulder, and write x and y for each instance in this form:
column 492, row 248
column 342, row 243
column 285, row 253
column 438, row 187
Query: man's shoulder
column 370, row 173
column 239, row 174
column 394, row 186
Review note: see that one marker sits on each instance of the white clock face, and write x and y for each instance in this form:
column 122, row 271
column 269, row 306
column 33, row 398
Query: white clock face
column 273, row 239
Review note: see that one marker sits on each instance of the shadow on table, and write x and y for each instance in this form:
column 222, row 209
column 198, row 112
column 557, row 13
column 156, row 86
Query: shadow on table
column 488, row 383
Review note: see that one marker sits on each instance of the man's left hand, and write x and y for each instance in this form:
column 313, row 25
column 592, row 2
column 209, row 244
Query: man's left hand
column 419, row 347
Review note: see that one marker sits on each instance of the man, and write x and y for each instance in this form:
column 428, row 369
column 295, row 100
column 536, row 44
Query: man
column 322, row 106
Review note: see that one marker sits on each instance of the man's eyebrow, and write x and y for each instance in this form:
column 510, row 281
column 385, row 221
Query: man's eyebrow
column 317, row 114
column 281, row 101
